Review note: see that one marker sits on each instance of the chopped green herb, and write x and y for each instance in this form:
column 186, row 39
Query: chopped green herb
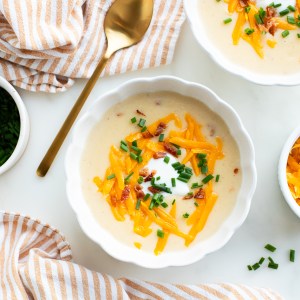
column 298, row 35
column 284, row 12
column 139, row 159
column 273, row 266
column 176, row 165
column 277, row 5
column 186, row 215
column 178, row 152
column 144, row 129
column 138, row 204
column 204, row 169
column 161, row 137
column 164, row 205
column 261, row 260
column 140, row 180
column 291, row 20
column 196, row 204
column 147, row 196
column 292, row 255
column 195, row 185
column 158, row 178
column 247, row 9
column 249, row 268
column 138, row 150
column 270, row 247
column 173, row 180
column 160, row 233
column 185, row 175
column 111, row 176
column 271, row 260
column 182, row 179
column 124, row 148
column 258, row 19
column 256, row 266
column 142, row 123
column 217, row 178
column 173, row 202
column 133, row 156
column 291, row 8
column 133, row 120
column 127, row 178
column 207, row 178
column 134, row 143
column 249, row 31
column 228, row 20
column 167, row 159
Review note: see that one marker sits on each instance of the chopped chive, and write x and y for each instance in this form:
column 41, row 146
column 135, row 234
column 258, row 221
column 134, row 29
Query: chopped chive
column 124, row 148
column 140, row 180
column 204, row 169
column 133, row 156
column 196, row 204
column 249, row 268
column 185, row 175
column 142, row 123
column 228, row 20
column 291, row 20
column 138, row 204
column 207, row 178
column 217, row 178
column 139, row 159
column 188, row 170
column 270, row 247
column 124, row 143
column 164, row 205
column 273, row 266
column 292, row 255
column 258, row 19
column 247, row 9
column 160, row 233
column 152, row 180
column 151, row 204
column 173, row 180
column 138, row 150
column 111, row 176
column 127, row 178
column 178, row 152
column 147, row 196
column 195, row 185
column 161, row 137
column 186, row 215
column 134, row 143
column 249, row 31
column 133, row 120
column 162, row 188
column 255, row 266
column 158, row 178
column 144, row 129
column 182, row 179
column 167, row 159
column 284, row 12
column 261, row 260
column 291, row 8
column 201, row 155
column 176, row 165
column 271, row 260
column 298, row 35
column 173, row 202
column 277, row 5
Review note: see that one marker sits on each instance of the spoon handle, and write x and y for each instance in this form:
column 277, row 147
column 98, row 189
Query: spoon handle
column 64, row 130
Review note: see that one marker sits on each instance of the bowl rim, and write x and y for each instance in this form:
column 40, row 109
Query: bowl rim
column 233, row 221
column 282, row 171
column 267, row 80
column 24, row 126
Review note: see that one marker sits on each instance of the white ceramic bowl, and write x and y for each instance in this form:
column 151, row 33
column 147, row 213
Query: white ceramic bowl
column 24, row 129
column 201, row 35
column 282, row 171
column 92, row 228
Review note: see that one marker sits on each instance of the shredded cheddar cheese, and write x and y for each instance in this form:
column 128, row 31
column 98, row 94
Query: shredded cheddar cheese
column 126, row 197
column 293, row 171
column 254, row 25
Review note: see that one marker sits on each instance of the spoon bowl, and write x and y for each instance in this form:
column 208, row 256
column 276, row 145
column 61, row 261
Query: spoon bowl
column 125, row 24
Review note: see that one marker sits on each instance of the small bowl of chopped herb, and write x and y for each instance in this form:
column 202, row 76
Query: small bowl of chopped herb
column 14, row 126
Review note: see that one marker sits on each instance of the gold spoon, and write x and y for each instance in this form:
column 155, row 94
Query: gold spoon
column 125, row 24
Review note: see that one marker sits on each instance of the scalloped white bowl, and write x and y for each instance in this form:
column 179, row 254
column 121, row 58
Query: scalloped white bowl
column 201, row 35
column 24, row 129
column 282, row 171
column 102, row 237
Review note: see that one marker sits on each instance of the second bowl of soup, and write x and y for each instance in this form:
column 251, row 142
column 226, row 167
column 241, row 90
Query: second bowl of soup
column 160, row 172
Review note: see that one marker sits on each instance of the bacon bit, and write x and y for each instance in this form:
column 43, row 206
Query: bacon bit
column 147, row 134
column 243, row 3
column 125, row 193
column 150, row 176
column 188, row 196
column 144, row 172
column 200, row 194
column 153, row 190
column 159, row 154
column 160, row 128
column 270, row 12
column 236, row 170
column 113, row 201
column 171, row 149
column 139, row 191
column 269, row 23
column 140, row 112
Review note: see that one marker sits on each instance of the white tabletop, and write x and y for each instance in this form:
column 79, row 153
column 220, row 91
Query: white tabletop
column 268, row 113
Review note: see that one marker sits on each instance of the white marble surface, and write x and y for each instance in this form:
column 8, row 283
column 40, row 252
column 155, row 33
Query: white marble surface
column 268, row 113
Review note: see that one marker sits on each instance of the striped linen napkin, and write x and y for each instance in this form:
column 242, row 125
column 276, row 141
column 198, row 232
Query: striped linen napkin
column 36, row 263
column 44, row 45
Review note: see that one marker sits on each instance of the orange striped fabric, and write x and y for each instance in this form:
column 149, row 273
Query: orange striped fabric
column 36, row 263
column 45, row 45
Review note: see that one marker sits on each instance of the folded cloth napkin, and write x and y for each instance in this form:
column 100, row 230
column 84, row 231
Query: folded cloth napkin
column 36, row 263
column 44, row 45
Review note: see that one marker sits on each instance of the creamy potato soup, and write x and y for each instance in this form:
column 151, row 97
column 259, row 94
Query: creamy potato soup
column 257, row 35
column 160, row 172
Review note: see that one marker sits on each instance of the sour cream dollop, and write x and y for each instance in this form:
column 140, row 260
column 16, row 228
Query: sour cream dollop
column 284, row 3
column 166, row 172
